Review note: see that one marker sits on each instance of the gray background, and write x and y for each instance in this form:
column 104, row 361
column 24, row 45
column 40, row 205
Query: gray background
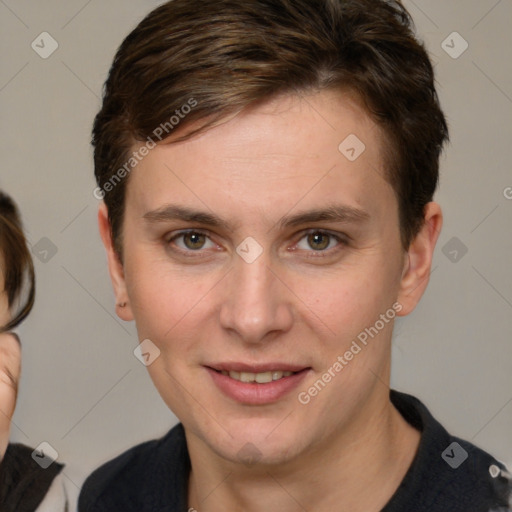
column 85, row 393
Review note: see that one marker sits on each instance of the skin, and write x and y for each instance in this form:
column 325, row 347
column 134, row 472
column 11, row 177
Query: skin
column 10, row 368
column 295, row 303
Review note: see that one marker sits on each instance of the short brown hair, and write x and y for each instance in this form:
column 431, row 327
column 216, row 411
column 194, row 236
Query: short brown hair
column 18, row 267
column 227, row 55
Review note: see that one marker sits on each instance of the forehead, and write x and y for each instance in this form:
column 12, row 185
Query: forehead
column 291, row 149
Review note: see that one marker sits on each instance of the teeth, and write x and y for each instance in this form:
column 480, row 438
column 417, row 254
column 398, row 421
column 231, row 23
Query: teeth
column 260, row 378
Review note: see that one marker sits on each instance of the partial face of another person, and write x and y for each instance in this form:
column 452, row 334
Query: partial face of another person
column 10, row 367
column 260, row 247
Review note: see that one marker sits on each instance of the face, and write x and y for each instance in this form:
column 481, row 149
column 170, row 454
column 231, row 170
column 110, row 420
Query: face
column 258, row 247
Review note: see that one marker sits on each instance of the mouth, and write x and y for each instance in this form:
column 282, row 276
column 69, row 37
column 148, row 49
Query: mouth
column 256, row 384
column 260, row 378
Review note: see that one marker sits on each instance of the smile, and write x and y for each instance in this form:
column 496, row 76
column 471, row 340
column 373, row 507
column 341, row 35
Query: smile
column 260, row 378
column 256, row 384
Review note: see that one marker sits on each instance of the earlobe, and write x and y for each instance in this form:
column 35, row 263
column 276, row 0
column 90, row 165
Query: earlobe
column 115, row 267
column 418, row 260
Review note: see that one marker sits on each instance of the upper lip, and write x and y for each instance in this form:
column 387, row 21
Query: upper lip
column 257, row 367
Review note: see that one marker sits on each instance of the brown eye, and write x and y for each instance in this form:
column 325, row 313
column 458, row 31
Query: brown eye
column 191, row 244
column 193, row 240
column 319, row 241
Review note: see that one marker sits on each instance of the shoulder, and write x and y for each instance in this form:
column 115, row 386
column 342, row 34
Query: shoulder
column 472, row 473
column 26, row 479
column 140, row 474
column 448, row 473
column 56, row 499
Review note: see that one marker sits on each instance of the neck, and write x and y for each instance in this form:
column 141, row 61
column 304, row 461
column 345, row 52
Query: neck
column 374, row 453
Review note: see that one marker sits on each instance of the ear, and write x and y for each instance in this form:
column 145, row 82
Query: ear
column 418, row 260
column 115, row 267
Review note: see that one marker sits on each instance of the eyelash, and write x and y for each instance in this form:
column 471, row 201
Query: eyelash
column 190, row 253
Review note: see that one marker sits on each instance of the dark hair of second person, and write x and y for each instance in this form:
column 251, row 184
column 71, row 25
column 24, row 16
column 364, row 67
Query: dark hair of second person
column 15, row 263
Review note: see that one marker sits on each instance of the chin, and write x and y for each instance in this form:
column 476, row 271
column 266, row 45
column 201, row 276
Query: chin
column 257, row 446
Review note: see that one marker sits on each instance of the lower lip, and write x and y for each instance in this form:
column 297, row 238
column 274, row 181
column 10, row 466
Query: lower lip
column 256, row 394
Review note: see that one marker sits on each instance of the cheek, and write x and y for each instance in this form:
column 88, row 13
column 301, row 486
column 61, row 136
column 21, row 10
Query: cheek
column 165, row 301
column 343, row 303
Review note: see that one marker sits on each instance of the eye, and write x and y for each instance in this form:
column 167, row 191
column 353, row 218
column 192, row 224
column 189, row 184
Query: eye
column 191, row 241
column 319, row 241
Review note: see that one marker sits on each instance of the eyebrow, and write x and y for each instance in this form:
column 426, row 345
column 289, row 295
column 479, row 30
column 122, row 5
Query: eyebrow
column 174, row 212
column 331, row 213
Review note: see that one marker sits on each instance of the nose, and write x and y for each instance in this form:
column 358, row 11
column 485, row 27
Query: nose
column 257, row 305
